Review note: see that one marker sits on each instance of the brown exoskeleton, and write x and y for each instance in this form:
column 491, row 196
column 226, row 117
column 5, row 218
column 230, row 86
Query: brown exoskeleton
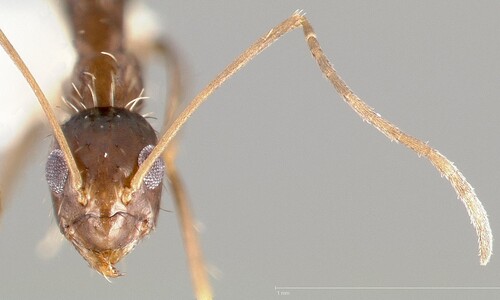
column 134, row 184
column 106, row 193
column 108, row 140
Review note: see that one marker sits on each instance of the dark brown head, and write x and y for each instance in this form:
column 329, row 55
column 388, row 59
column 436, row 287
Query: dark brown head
column 108, row 145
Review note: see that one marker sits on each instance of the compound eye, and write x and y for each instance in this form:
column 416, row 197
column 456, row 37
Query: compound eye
column 56, row 171
column 155, row 175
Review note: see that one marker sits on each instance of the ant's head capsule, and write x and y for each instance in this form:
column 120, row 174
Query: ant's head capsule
column 108, row 145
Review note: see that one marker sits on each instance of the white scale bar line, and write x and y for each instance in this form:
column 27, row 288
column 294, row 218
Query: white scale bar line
column 387, row 287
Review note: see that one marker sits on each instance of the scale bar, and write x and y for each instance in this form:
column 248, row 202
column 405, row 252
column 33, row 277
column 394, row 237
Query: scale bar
column 282, row 288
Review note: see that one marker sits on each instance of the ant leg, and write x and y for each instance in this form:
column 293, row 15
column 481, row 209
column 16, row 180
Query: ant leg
column 76, row 181
column 15, row 159
column 194, row 254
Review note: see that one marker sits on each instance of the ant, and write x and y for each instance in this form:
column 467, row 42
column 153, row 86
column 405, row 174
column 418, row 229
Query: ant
column 60, row 159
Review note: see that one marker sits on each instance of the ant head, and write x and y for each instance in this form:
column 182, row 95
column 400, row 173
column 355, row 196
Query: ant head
column 108, row 145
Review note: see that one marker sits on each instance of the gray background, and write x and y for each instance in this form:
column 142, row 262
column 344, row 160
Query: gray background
column 292, row 188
